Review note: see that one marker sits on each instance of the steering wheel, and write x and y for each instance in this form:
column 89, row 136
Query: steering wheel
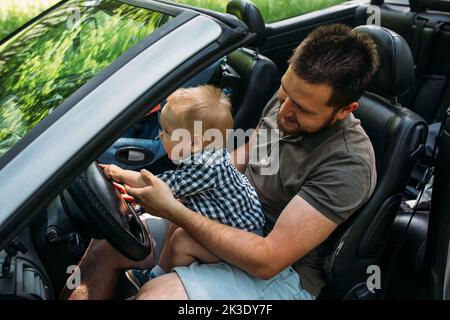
column 114, row 219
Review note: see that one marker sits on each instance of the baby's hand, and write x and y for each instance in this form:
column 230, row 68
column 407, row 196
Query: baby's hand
column 112, row 172
column 123, row 192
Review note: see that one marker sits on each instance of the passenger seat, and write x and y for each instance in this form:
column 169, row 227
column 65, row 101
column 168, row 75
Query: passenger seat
column 425, row 25
column 259, row 74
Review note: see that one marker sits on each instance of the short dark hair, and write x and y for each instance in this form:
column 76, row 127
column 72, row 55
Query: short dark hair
column 339, row 57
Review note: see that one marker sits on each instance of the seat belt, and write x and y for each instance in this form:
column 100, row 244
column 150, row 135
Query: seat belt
column 420, row 25
column 425, row 54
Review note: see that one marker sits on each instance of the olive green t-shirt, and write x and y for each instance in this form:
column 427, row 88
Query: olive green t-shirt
column 333, row 170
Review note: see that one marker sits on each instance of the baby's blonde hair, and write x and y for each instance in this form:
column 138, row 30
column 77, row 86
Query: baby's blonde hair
column 206, row 103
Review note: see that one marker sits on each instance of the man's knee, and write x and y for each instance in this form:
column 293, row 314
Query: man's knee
column 166, row 287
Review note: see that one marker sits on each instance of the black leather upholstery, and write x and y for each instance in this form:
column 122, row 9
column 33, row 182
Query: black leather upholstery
column 258, row 83
column 397, row 135
column 247, row 12
column 426, row 28
column 422, row 5
column 259, row 75
column 396, row 76
column 427, row 32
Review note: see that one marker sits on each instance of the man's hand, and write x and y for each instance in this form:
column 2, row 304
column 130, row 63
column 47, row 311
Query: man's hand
column 156, row 196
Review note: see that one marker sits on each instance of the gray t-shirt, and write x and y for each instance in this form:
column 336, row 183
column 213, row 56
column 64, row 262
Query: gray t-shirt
column 333, row 170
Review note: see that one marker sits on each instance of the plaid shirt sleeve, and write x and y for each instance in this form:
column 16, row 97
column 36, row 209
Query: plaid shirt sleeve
column 190, row 179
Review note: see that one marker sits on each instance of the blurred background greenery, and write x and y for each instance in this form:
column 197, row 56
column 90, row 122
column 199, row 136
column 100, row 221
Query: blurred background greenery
column 14, row 13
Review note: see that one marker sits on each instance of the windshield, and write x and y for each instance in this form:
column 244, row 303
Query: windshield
column 44, row 64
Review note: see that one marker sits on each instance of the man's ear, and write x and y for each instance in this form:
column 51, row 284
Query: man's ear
column 197, row 142
column 345, row 111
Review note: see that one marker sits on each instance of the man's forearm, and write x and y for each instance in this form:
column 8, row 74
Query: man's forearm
column 243, row 249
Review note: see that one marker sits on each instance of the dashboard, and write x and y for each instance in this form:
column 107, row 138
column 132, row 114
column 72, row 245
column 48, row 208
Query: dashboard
column 37, row 263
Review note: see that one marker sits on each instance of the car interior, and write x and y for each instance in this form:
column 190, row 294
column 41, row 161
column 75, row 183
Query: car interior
column 404, row 112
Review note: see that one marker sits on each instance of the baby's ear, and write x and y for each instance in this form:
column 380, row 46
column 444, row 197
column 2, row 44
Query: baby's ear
column 197, row 142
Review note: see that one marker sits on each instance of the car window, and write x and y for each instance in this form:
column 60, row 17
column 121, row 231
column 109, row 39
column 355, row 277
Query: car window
column 271, row 10
column 14, row 14
column 45, row 63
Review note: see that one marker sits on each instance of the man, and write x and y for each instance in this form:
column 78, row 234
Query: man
column 326, row 172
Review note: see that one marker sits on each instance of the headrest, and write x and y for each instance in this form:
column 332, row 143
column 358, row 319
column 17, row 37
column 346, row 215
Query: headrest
column 436, row 5
column 247, row 12
column 395, row 75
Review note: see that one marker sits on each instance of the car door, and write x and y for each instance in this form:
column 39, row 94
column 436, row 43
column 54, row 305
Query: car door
column 43, row 159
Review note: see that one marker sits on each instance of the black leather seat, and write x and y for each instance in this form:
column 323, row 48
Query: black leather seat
column 425, row 25
column 259, row 75
column 398, row 136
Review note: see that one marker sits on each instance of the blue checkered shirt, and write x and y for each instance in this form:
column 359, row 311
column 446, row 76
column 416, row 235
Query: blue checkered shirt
column 208, row 183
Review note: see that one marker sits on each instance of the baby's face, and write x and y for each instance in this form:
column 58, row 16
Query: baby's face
column 176, row 147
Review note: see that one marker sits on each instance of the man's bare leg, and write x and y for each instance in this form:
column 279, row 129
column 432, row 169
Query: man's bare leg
column 166, row 287
column 100, row 268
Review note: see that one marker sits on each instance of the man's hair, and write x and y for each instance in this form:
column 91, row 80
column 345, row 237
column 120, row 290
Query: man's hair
column 206, row 103
column 336, row 56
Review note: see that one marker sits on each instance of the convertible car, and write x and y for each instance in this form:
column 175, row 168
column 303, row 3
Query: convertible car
column 83, row 74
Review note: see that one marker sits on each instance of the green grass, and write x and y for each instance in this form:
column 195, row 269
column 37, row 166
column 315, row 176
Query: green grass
column 15, row 13
column 271, row 10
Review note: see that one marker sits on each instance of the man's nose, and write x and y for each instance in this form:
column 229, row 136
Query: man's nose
column 286, row 108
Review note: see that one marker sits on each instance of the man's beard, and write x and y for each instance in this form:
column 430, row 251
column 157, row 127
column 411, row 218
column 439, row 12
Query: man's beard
column 299, row 132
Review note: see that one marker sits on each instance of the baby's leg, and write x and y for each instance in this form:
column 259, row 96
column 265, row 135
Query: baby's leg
column 186, row 250
column 165, row 259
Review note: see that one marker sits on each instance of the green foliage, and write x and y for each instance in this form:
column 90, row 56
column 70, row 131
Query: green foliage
column 271, row 10
column 45, row 64
column 14, row 13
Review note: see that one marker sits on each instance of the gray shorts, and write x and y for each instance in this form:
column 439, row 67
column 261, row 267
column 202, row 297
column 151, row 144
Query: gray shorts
column 222, row 281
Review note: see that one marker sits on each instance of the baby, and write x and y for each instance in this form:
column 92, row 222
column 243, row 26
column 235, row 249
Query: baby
column 205, row 180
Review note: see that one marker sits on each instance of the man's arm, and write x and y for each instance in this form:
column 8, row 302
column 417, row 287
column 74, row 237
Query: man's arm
column 298, row 230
